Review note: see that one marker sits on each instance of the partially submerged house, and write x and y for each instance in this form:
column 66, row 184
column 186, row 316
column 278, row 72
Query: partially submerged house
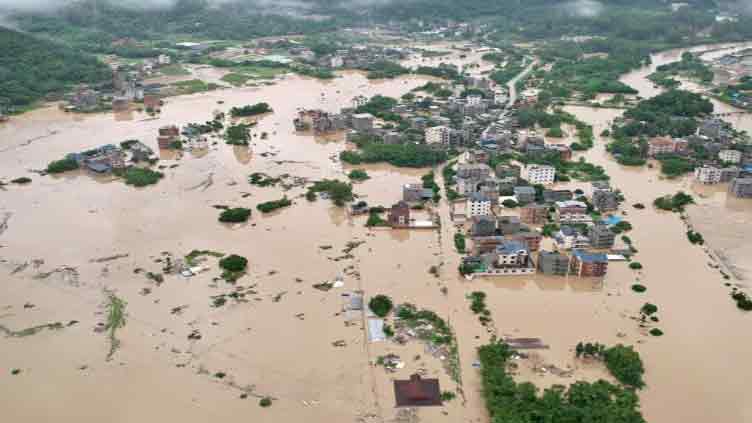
column 417, row 392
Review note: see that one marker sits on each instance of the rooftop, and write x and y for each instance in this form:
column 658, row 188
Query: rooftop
column 417, row 392
column 587, row 257
column 511, row 247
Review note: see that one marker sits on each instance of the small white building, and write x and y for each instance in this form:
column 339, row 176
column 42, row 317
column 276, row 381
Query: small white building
column 336, row 62
column 163, row 59
column 708, row 175
column 474, row 100
column 730, row 156
column 478, row 205
column 538, row 174
column 437, row 135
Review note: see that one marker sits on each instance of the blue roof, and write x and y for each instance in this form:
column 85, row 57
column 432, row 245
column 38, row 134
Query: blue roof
column 612, row 220
column 748, row 168
column 99, row 167
column 587, row 257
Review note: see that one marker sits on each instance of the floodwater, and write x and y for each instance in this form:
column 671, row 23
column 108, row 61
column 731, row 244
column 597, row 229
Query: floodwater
column 277, row 342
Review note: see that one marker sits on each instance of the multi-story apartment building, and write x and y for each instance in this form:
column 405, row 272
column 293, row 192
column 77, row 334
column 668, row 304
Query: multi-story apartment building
column 437, row 135
column 708, row 175
column 586, row 264
column 538, row 174
column 730, row 156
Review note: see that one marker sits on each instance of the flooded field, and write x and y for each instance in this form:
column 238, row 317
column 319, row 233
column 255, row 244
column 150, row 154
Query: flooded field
column 67, row 242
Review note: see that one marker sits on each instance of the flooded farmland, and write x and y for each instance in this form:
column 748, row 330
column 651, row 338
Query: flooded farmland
column 66, row 241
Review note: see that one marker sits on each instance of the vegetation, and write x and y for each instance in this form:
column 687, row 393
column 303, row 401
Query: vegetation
column 673, row 166
column 689, row 66
column 375, row 219
column 263, row 180
column 265, row 402
column 339, row 192
column 191, row 258
column 639, row 288
column 60, row 166
column 656, row 332
column 743, row 302
column 32, row 68
column 234, row 263
column 250, row 110
column 21, row 181
column 235, row 215
column 270, row 206
column 238, row 134
column 459, row 242
column 141, row 177
column 193, row 86
column 509, row 401
column 373, row 150
column 380, row 106
column 381, row 305
column 635, row 265
column 115, row 321
column 385, row 70
column 358, row 175
column 478, row 306
column 695, row 237
column 555, row 132
column 625, row 364
column 670, row 113
column 675, row 203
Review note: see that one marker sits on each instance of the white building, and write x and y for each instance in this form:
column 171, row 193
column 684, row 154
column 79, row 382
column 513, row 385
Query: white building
column 538, row 174
column 359, row 101
column 336, row 62
column 708, row 175
column 478, row 205
column 437, row 135
column 730, row 156
column 474, row 100
column 163, row 59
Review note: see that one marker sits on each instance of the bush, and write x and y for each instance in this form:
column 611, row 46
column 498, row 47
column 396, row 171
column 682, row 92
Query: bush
column 448, row 396
column 459, row 242
column 510, row 204
column 60, row 166
column 234, row 263
column 381, row 305
column 140, row 177
column 656, row 332
column 639, row 288
column 649, row 309
column 695, row 237
column 235, row 215
column 555, row 132
column 21, row 181
column 270, row 206
column 339, row 192
column 250, row 110
column 265, row 402
column 358, row 175
column 635, row 265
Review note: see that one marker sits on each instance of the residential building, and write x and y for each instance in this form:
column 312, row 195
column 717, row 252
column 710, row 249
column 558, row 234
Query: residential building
column 553, row 263
column 399, row 215
column 601, row 237
column 478, row 205
column 508, row 225
column 551, row 196
column 505, row 170
column 534, row 214
column 413, row 193
column 437, row 135
column 362, row 122
column 483, row 226
column 531, row 239
column 152, row 102
column 741, row 187
column 730, row 156
column 524, row 194
column 708, row 175
column 588, row 264
column 513, row 254
column 167, row 136
column 473, row 171
column 604, row 199
column 392, row 137
column 666, row 145
column 565, row 152
column 730, row 173
column 570, row 238
column 417, row 392
column 539, row 174
column 572, row 212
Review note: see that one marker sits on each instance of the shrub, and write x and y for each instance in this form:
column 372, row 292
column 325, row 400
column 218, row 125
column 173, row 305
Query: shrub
column 22, row 180
column 459, row 242
column 381, row 305
column 448, row 396
column 695, row 237
column 270, row 206
column 60, row 166
column 235, row 215
column 510, row 204
column 656, row 332
column 358, row 175
column 649, row 309
column 639, row 288
column 635, row 265
column 265, row 402
column 140, row 177
column 234, row 263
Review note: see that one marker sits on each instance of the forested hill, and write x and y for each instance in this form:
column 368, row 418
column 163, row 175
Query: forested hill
column 31, row 68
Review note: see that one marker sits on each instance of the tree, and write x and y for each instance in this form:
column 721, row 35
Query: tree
column 235, row 215
column 234, row 263
column 625, row 364
column 381, row 305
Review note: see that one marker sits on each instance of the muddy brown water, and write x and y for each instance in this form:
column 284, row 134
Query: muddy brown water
column 695, row 372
